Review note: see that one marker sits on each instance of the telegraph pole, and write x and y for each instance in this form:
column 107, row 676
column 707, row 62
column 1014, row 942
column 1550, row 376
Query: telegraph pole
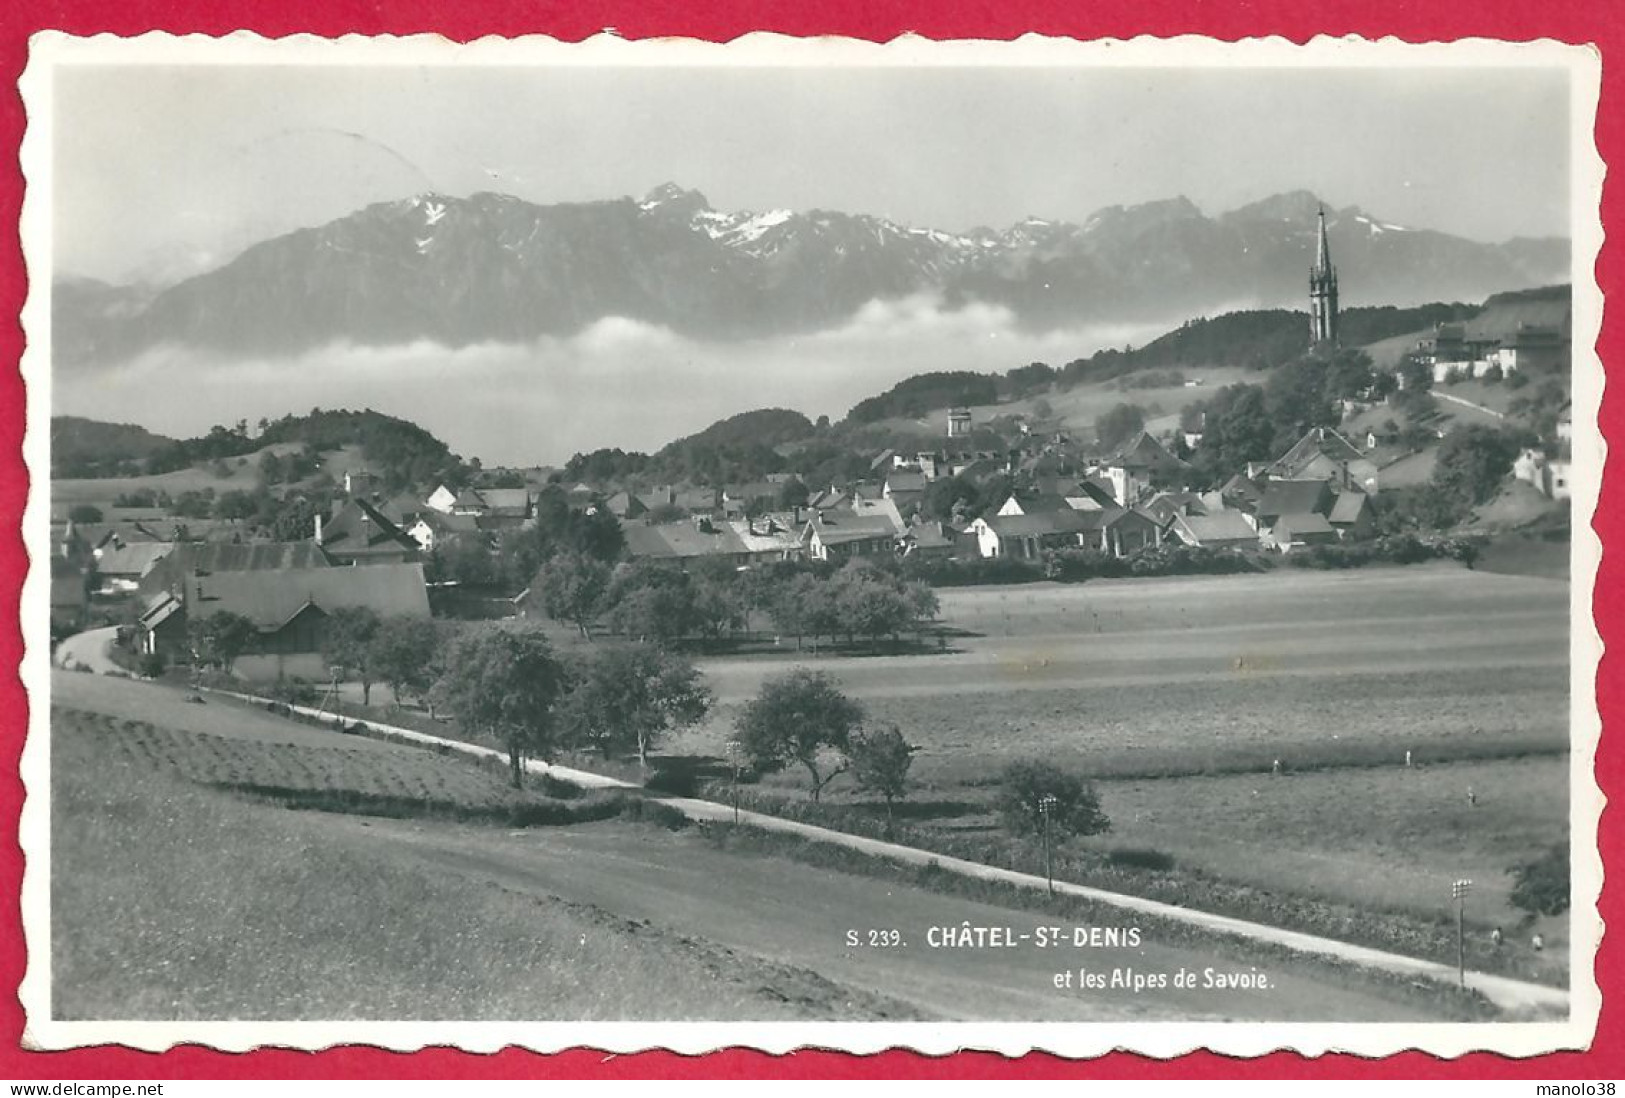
column 733, row 761
column 1459, row 890
column 1046, row 805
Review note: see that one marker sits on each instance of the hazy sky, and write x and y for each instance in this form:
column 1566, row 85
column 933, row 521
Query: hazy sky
column 163, row 171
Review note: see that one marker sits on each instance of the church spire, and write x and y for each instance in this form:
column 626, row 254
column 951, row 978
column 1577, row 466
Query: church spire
column 1323, row 291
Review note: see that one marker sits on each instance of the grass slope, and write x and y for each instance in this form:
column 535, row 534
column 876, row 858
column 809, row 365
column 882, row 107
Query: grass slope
column 173, row 902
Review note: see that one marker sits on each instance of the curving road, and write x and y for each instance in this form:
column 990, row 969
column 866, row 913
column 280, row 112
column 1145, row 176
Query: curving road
column 89, row 649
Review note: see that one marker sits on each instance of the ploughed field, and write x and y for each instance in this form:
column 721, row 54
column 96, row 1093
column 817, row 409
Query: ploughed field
column 227, row 745
column 1179, row 695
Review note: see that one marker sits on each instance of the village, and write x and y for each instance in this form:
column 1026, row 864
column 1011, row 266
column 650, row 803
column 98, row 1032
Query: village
column 985, row 501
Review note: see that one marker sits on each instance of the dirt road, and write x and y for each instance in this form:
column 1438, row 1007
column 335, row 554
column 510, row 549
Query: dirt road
column 88, row 649
column 798, row 915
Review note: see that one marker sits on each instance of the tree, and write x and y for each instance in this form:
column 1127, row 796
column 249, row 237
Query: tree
column 800, row 717
column 347, row 644
column 505, row 683
column 627, row 697
column 1472, row 461
column 791, row 606
column 651, row 602
column 221, row 637
column 1119, row 425
column 296, row 519
column 403, row 652
column 1075, row 811
column 1541, row 885
column 1414, row 375
column 792, row 494
column 572, row 589
column 235, row 505
column 85, row 512
column 465, row 559
column 880, row 763
column 951, row 498
column 867, row 602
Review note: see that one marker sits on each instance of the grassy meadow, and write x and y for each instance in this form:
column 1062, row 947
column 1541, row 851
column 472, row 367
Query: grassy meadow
column 227, row 908
column 1178, row 696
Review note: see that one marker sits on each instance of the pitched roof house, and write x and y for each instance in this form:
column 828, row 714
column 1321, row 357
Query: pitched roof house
column 1294, row 497
column 1299, row 530
column 359, row 533
column 1323, row 454
column 837, row 535
column 1220, row 530
column 1026, row 536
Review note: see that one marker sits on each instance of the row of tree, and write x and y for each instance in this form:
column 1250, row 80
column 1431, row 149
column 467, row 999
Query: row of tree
column 647, row 600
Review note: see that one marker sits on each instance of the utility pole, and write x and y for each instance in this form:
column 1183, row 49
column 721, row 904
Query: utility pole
column 1046, row 806
column 733, row 761
column 1459, row 890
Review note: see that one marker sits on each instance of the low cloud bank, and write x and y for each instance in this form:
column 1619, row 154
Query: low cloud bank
column 617, row 383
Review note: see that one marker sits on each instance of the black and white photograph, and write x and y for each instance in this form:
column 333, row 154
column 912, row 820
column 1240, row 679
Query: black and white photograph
column 805, row 542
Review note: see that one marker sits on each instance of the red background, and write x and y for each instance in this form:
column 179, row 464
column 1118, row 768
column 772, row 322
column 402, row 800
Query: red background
column 1578, row 21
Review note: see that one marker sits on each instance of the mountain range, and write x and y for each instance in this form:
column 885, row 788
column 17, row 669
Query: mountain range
column 494, row 268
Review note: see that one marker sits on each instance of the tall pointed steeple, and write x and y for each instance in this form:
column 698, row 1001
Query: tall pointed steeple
column 1323, row 291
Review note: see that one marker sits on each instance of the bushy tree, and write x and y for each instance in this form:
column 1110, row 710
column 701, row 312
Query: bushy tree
column 505, row 683
column 221, row 637
column 572, row 587
column 792, row 494
column 627, row 697
column 1472, row 462
column 347, row 644
column 85, row 512
column 1022, row 789
column 403, row 653
column 1117, row 426
column 651, row 602
column 880, row 763
column 1541, row 885
column 800, row 717
column 466, row 559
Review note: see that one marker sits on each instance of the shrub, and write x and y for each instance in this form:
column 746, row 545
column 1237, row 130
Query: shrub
column 151, row 665
column 1542, row 884
column 647, row 811
column 1026, row 785
column 293, row 691
column 1136, row 858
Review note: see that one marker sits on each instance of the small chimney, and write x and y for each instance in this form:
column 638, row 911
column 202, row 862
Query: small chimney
column 318, row 528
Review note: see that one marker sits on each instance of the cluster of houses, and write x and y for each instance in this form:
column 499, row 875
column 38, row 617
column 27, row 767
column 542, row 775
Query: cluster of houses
column 366, row 552
column 1548, row 469
column 1531, row 333
column 1317, row 493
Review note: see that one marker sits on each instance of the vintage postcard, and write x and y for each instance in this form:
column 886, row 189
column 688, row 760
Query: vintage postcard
column 810, row 543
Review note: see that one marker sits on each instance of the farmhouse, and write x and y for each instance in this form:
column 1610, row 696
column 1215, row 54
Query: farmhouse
column 119, row 567
column 1220, row 530
column 288, row 606
column 1293, row 497
column 1297, row 531
column 359, row 533
column 1548, row 472
column 1323, row 454
column 767, row 538
column 193, row 559
column 434, row 527
column 700, row 536
column 836, row 536
column 905, row 489
column 1351, row 515
column 1027, row 536
column 928, row 541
